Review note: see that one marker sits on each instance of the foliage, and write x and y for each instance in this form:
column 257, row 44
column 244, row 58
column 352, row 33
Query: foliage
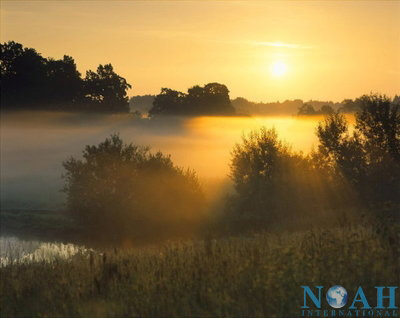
column 31, row 81
column 212, row 99
column 257, row 276
column 120, row 189
column 369, row 157
column 105, row 90
column 273, row 183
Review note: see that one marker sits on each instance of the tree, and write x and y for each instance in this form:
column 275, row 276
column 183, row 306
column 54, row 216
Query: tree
column 30, row 81
column 63, row 83
column 345, row 151
column 212, row 99
column 23, row 73
column 168, row 102
column 271, row 181
column 105, row 90
column 121, row 190
column 369, row 158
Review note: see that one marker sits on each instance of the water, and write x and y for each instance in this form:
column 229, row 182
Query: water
column 33, row 146
column 14, row 250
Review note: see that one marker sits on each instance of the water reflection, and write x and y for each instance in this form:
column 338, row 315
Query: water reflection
column 14, row 250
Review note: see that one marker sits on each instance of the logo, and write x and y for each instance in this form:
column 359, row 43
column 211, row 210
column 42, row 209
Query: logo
column 337, row 296
column 345, row 305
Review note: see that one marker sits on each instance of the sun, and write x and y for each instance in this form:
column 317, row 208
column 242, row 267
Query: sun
column 278, row 68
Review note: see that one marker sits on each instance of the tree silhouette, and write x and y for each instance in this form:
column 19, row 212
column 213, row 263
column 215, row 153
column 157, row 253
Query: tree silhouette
column 105, row 90
column 212, row 99
column 29, row 81
column 64, row 82
column 168, row 102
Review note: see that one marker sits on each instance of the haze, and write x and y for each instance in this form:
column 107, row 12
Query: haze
column 34, row 145
column 329, row 50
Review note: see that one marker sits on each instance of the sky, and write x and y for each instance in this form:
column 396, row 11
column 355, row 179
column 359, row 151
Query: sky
column 262, row 50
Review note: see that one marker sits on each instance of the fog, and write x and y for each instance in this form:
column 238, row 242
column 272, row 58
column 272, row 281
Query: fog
column 34, row 145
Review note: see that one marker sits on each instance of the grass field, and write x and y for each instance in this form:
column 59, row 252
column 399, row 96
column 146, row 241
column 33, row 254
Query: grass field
column 253, row 276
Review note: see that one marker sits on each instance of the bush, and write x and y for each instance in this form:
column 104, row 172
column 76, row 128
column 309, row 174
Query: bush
column 369, row 157
column 273, row 183
column 119, row 190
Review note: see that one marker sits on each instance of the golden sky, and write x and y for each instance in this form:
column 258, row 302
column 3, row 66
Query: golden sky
column 262, row 50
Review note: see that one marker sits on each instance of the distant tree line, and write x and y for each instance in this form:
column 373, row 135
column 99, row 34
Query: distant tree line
column 141, row 103
column 246, row 107
column 30, row 81
column 299, row 107
column 308, row 109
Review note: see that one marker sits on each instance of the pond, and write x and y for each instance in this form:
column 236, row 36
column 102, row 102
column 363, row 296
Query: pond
column 14, row 250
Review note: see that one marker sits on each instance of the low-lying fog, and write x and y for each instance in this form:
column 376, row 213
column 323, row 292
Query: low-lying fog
column 34, row 144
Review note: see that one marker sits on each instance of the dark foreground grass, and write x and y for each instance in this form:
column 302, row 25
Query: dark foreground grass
column 258, row 276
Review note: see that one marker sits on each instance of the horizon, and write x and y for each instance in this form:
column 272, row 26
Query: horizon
column 264, row 51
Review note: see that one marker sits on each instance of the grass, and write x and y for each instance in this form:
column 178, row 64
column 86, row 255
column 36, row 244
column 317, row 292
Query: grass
column 255, row 276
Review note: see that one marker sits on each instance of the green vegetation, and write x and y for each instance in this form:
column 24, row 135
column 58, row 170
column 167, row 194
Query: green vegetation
column 257, row 276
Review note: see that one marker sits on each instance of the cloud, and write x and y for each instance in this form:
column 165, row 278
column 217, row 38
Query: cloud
column 281, row 44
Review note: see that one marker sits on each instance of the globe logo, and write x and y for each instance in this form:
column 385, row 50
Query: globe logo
column 337, row 296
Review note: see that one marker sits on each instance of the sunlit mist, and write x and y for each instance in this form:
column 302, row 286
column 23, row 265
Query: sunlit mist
column 202, row 143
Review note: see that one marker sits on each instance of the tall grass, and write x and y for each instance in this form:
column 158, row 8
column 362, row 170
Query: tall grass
column 257, row 276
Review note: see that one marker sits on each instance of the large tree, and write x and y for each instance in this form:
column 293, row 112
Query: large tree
column 30, row 81
column 105, row 90
column 23, row 75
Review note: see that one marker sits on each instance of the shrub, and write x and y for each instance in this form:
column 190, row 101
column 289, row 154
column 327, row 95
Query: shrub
column 272, row 182
column 120, row 189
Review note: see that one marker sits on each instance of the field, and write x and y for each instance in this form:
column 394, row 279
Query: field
column 258, row 276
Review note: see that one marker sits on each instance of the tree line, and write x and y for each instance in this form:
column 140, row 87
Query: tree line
column 31, row 81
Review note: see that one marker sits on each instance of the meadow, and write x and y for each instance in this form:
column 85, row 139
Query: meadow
column 151, row 243
column 254, row 275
